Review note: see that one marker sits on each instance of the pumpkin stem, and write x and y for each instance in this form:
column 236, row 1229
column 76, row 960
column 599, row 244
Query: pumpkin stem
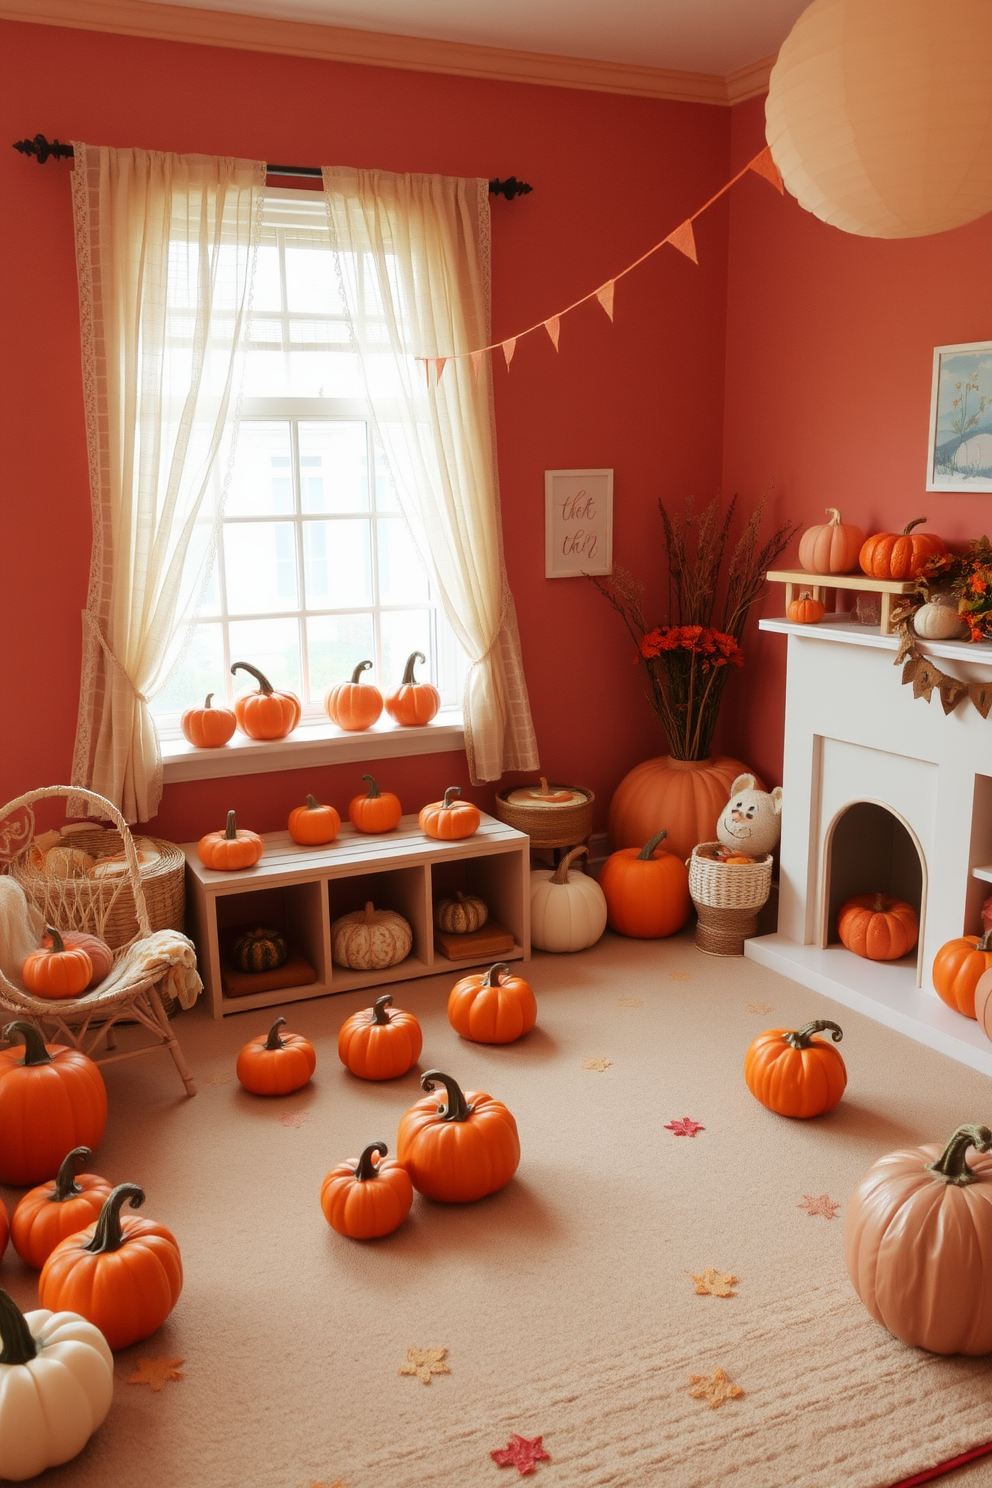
column 366, row 1167
column 834, row 516
column 369, row 911
column 34, row 1045
column 806, row 594
column 264, row 685
column 560, row 875
column 66, row 1186
column 492, row 977
column 379, row 1014
column 544, row 786
column 108, row 1235
column 449, row 797
column 363, row 666
column 910, row 525
column 312, row 803
column 457, row 1108
column 209, row 700
column 985, row 944
column 58, row 944
column 951, row 1164
column 879, row 906
column 647, row 851
column 802, row 1038
column 373, row 788
column 274, row 1040
column 408, row 679
column 231, row 830
column 19, row 1346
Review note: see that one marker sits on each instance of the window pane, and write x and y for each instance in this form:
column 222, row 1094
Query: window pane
column 336, row 644
column 260, row 565
column 315, row 372
column 271, row 645
column 311, row 280
column 200, row 671
column 265, row 290
column 402, row 578
column 386, row 498
column 404, row 631
column 261, row 482
column 334, row 466
column 338, row 560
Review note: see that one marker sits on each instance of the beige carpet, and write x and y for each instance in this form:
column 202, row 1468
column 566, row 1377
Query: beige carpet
column 566, row 1302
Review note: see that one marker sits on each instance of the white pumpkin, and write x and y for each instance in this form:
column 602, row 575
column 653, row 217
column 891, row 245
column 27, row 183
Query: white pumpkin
column 56, row 1386
column 370, row 939
column 567, row 911
column 938, row 621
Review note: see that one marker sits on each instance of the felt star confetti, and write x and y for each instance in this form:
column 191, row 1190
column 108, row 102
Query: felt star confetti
column 156, row 1372
column 760, row 1007
column 521, row 1452
column 680, row 976
column 630, row 1002
column 714, row 1283
column 424, row 1363
column 596, row 1064
column 714, row 1388
column 683, row 1126
column 294, row 1118
column 822, row 1204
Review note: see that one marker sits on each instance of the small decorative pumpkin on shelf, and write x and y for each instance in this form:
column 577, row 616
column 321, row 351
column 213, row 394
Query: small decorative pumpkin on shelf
column 376, row 811
column 52, row 1211
column 450, row 818
column 260, row 949
column 647, row 890
column 208, row 727
column 938, row 620
column 794, row 1074
column 917, row 1241
column 57, row 971
column 878, row 927
column 56, row 1387
column 364, row 1199
column 275, row 1063
column 123, row 1275
column 806, row 610
column 313, row 825
column 265, row 714
column 461, row 1150
column 492, row 1007
column 380, row 1042
column 352, row 705
column 900, row 555
column 52, row 1098
column 413, row 703
column 99, row 952
column 568, row 910
column 370, row 939
column 461, row 915
column 232, row 849
column 832, row 547
column 957, row 969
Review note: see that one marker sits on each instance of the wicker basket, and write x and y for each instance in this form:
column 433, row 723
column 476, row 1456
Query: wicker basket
column 729, row 885
column 559, row 826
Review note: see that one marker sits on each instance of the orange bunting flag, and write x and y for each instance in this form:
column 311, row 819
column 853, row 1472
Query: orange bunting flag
column 764, row 165
column 427, row 368
column 509, row 347
column 682, row 239
column 476, row 358
column 605, row 297
column 439, row 364
column 553, row 326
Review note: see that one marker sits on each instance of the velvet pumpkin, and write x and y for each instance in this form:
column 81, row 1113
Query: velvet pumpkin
column 123, row 1275
column 900, row 555
column 351, row 705
column 793, row 1073
column 878, row 927
column 567, row 910
column 492, row 1007
column 274, row 1063
column 265, row 714
column 957, row 969
column 52, row 1099
column 918, row 1243
column 230, row 850
column 647, row 890
column 313, row 825
column 687, row 795
column 831, row 547
column 364, row 1199
column 100, row 954
column 460, row 1150
column 380, row 1042
column 938, row 621
column 66, row 1204
column 451, row 818
column 207, row 727
column 806, row 610
column 413, row 703
column 57, row 970
column 376, row 811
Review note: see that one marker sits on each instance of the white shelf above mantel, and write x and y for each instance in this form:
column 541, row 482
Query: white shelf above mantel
column 844, row 632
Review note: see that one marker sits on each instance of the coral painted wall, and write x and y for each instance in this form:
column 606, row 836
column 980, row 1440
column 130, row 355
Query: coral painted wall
column 611, row 176
column 830, row 343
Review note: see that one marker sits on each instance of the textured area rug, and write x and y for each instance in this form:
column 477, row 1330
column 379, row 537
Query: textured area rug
column 666, row 1243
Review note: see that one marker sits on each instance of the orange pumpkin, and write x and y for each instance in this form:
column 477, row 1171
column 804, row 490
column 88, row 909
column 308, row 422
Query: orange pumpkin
column 231, row 849
column 957, row 968
column 900, row 555
column 918, row 1243
column 61, row 1207
column 377, row 1044
column 352, row 706
column 878, row 927
column 57, row 971
column 450, row 818
column 413, row 703
column 265, row 714
column 365, row 1199
column 122, row 1275
column 376, row 811
column 647, row 890
column 806, row 610
column 689, row 796
column 207, row 727
column 831, row 547
column 492, row 1007
column 313, row 825
column 793, row 1073
column 4, row 1228
column 461, row 1150
column 51, row 1100
column 99, row 952
column 274, row 1064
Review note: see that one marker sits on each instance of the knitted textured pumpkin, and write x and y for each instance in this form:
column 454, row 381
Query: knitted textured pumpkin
column 370, row 939
column 647, row 890
column 352, row 706
column 460, row 915
column 259, row 950
column 460, row 1150
column 795, row 1074
column 207, row 727
column 567, row 910
column 53, row 1210
column 376, row 811
column 380, row 1042
column 450, row 818
column 878, row 927
column 234, row 848
column 832, row 547
column 957, row 967
column 413, row 703
column 313, row 824
column 492, row 1007
column 274, row 1063
column 806, row 610
column 265, row 714
column 900, row 555
column 363, row 1198
column 52, row 1099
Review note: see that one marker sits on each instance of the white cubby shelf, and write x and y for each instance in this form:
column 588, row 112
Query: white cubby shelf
column 301, row 890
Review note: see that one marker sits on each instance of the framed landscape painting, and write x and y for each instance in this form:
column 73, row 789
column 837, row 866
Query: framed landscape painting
column 960, row 448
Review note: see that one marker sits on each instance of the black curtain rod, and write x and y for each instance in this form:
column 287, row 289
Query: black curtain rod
column 43, row 150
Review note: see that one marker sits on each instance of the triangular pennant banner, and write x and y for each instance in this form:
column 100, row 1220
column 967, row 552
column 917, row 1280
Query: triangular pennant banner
column 439, row 364
column 476, row 359
column 763, row 165
column 952, row 692
column 682, row 239
column 427, row 368
column 981, row 695
column 605, row 297
column 509, row 347
column 553, row 327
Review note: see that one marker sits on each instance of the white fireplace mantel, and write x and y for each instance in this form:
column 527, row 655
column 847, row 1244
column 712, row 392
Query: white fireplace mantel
column 853, row 732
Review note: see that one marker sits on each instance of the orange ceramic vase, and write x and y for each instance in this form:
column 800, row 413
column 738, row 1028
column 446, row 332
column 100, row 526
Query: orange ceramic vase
column 683, row 796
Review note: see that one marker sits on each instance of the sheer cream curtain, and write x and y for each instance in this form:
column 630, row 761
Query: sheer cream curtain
column 413, row 259
column 165, row 253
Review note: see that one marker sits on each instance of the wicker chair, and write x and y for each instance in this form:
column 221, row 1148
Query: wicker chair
column 146, row 966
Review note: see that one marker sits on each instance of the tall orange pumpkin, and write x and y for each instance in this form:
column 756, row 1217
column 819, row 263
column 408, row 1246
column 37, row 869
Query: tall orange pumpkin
column 957, row 969
column 687, row 795
column 647, row 890
column 900, row 555
column 352, row 706
column 413, row 703
column 265, row 714
column 832, row 547
column 51, row 1100
column 794, row 1074
column 461, row 1150
column 878, row 927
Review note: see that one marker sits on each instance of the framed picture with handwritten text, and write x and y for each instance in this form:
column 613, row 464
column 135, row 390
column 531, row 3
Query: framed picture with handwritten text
column 578, row 523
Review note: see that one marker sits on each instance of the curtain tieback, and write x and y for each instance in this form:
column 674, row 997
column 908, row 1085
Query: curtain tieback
column 94, row 626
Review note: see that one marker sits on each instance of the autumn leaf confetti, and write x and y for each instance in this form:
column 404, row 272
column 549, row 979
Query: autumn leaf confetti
column 425, row 1363
column 157, row 1372
column 521, row 1452
column 821, row 1204
column 596, row 1064
column 630, row 1002
column 760, row 1007
column 716, row 1388
column 294, row 1118
column 683, row 1126
column 714, row 1283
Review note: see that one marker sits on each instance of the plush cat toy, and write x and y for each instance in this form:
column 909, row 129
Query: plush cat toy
column 751, row 820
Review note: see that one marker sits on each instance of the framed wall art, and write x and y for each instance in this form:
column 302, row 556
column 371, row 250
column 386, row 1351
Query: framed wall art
column 578, row 523
column 959, row 454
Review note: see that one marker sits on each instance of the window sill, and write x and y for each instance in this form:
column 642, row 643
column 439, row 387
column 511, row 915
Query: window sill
column 309, row 746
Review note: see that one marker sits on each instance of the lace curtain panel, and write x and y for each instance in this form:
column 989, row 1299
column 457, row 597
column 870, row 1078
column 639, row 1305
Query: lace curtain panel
column 165, row 254
column 412, row 254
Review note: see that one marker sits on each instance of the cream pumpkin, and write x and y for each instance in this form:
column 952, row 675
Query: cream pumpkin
column 939, row 621
column 567, row 910
column 370, row 939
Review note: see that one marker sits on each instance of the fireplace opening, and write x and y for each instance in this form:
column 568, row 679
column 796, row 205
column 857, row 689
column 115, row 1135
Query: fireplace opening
column 869, row 848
